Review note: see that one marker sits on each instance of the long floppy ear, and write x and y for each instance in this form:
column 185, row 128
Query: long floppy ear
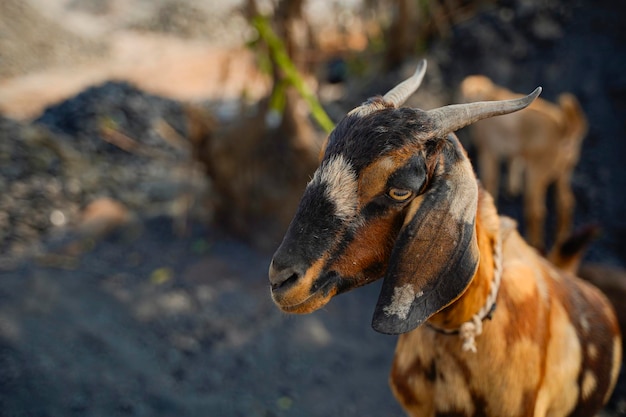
column 436, row 253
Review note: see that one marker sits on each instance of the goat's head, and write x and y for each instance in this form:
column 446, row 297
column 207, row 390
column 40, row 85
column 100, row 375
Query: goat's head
column 395, row 197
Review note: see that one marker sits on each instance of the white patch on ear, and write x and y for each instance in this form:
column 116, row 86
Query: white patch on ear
column 401, row 301
column 341, row 185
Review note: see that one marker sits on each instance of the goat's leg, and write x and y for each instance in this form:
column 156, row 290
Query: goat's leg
column 488, row 166
column 535, row 206
column 565, row 206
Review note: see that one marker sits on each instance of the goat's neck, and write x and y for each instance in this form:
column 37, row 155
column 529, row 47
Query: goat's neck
column 476, row 295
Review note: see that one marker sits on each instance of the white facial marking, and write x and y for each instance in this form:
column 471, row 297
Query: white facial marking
column 341, row 186
column 401, row 301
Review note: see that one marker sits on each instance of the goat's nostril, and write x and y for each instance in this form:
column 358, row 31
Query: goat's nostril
column 282, row 277
column 286, row 283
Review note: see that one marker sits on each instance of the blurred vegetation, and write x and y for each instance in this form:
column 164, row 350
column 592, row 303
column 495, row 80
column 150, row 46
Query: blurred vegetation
column 292, row 76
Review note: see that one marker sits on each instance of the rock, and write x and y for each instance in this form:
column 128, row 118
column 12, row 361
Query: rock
column 91, row 161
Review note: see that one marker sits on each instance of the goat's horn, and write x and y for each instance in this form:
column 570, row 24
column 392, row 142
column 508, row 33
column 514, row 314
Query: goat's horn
column 453, row 117
column 402, row 91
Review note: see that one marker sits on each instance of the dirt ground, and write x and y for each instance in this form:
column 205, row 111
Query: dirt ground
column 149, row 321
column 152, row 324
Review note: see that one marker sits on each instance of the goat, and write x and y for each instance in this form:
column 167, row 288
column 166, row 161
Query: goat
column 395, row 196
column 542, row 143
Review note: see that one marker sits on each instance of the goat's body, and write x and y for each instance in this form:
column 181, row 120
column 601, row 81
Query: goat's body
column 550, row 340
column 396, row 196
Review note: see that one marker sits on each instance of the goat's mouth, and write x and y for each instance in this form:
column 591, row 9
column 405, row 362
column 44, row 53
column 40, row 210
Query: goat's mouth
column 304, row 299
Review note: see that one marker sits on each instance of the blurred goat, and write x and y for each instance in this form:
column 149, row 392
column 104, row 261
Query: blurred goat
column 542, row 143
column 395, row 196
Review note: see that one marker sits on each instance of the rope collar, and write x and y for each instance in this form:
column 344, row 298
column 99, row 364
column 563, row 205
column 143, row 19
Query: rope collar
column 472, row 328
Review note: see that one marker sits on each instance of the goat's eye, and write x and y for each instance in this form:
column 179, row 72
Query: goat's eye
column 399, row 194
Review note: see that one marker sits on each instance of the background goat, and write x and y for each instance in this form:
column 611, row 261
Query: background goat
column 395, row 197
column 541, row 144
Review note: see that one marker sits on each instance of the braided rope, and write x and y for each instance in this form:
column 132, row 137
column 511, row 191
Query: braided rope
column 473, row 328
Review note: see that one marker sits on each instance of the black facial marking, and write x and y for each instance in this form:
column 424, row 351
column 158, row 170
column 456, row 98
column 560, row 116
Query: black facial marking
column 311, row 231
column 379, row 206
column 411, row 176
column 325, row 282
column 361, row 138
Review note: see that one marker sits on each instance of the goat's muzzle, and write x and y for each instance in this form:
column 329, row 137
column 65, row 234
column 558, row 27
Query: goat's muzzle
column 282, row 277
column 301, row 289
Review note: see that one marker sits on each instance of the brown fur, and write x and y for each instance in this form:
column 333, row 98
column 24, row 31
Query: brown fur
column 359, row 251
column 611, row 280
column 552, row 347
column 532, row 356
column 541, row 144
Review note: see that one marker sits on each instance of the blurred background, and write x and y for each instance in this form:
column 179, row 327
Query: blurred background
column 153, row 152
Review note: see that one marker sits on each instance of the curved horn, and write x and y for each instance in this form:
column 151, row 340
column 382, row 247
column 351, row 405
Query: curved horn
column 452, row 118
column 398, row 95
